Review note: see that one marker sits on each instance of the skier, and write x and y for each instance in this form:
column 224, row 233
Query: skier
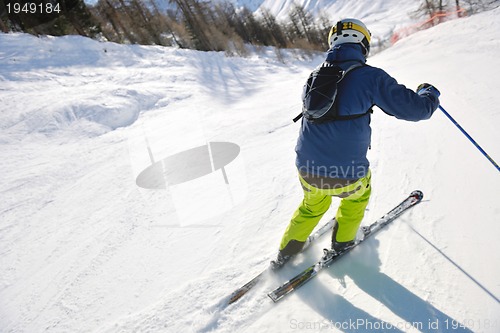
column 331, row 155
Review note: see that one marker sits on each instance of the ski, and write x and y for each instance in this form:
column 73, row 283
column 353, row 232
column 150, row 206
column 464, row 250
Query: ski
column 330, row 256
column 240, row 292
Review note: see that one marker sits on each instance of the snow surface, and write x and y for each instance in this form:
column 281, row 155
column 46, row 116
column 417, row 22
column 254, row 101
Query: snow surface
column 85, row 249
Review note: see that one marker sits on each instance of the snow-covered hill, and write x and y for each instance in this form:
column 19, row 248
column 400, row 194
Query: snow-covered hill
column 382, row 17
column 93, row 239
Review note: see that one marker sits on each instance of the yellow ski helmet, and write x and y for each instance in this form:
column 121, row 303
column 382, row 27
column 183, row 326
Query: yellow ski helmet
column 350, row 31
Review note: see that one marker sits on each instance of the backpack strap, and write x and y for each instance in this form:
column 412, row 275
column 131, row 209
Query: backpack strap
column 352, row 116
column 334, row 106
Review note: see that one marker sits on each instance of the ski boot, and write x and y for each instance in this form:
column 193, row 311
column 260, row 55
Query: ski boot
column 280, row 260
column 339, row 247
column 292, row 248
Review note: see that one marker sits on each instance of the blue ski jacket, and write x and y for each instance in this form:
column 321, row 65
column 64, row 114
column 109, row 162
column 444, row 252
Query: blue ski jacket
column 337, row 149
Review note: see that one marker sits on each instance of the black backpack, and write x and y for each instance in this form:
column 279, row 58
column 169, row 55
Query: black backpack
column 320, row 92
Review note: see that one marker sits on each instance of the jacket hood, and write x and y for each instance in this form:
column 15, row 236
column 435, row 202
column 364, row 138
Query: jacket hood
column 346, row 52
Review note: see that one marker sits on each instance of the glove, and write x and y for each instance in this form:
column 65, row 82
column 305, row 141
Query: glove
column 426, row 89
column 429, row 91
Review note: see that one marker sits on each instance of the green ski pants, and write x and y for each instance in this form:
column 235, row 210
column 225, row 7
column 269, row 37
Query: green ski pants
column 317, row 201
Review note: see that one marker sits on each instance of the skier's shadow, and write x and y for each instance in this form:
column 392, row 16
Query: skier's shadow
column 364, row 270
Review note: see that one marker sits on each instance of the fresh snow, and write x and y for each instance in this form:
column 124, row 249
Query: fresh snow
column 84, row 248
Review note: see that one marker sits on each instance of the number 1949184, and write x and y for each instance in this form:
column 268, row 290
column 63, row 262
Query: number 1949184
column 32, row 7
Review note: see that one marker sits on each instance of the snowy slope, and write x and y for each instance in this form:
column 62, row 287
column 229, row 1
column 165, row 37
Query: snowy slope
column 85, row 249
column 382, row 17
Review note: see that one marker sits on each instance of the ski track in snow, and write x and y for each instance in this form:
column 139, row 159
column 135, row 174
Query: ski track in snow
column 84, row 249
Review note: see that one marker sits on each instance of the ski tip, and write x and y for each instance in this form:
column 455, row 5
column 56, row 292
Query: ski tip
column 234, row 297
column 417, row 194
column 272, row 295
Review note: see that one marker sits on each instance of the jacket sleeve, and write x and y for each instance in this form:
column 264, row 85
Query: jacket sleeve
column 398, row 101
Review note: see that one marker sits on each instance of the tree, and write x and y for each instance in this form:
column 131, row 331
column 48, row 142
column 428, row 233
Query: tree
column 196, row 24
column 114, row 21
column 193, row 13
column 302, row 22
column 275, row 29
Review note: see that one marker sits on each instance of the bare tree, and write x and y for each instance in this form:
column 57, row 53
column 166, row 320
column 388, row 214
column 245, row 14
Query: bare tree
column 196, row 24
column 274, row 28
column 194, row 21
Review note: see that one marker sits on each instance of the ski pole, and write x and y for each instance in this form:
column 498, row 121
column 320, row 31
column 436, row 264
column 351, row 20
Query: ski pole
column 470, row 138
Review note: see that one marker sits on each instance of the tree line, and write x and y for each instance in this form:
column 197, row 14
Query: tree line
column 194, row 24
column 432, row 7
